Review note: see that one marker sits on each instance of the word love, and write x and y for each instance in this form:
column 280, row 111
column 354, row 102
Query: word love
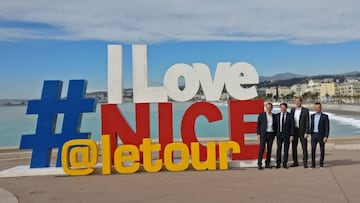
column 80, row 156
column 238, row 79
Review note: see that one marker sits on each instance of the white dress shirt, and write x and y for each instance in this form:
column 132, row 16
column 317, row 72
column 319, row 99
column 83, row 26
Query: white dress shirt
column 297, row 117
column 269, row 123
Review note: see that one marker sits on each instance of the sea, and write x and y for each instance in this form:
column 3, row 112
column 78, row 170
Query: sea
column 14, row 122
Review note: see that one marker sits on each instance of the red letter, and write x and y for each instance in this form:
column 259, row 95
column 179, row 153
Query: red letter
column 114, row 124
column 238, row 128
column 165, row 126
column 210, row 111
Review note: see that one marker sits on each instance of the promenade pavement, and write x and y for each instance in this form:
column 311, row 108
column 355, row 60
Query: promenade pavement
column 338, row 182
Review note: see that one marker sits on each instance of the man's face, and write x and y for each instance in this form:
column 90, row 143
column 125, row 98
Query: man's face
column 297, row 103
column 283, row 108
column 317, row 108
column 268, row 108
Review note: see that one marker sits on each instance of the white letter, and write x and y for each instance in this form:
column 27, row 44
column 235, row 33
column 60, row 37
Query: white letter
column 171, row 85
column 212, row 89
column 114, row 74
column 242, row 74
column 143, row 93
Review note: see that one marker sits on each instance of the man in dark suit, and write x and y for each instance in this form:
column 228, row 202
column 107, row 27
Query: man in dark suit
column 285, row 132
column 266, row 129
column 302, row 125
column 319, row 134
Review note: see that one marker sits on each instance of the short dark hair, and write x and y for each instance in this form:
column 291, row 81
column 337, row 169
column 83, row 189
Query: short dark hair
column 298, row 97
column 269, row 104
column 283, row 104
column 318, row 103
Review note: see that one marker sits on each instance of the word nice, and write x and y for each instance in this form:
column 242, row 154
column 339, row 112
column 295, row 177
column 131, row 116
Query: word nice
column 79, row 156
column 233, row 77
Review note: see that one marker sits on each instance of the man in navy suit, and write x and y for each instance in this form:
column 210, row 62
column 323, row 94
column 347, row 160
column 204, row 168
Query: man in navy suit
column 266, row 129
column 285, row 134
column 319, row 134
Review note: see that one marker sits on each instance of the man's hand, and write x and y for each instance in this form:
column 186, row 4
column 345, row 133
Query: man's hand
column 306, row 135
column 258, row 137
column 291, row 138
column 325, row 139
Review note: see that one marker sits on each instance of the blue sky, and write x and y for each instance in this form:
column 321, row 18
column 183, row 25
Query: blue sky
column 68, row 40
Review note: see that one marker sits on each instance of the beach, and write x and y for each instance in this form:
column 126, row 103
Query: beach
column 342, row 109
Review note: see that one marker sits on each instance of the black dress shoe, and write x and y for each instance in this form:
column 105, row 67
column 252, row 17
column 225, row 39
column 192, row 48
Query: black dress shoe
column 294, row 165
column 306, row 166
column 277, row 166
column 260, row 168
column 285, row 166
column 267, row 166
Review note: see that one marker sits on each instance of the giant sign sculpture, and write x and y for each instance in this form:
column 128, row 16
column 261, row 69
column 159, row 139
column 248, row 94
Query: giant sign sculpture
column 78, row 154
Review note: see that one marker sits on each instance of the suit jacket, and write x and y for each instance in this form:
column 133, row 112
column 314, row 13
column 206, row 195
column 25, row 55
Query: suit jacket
column 289, row 125
column 323, row 127
column 262, row 124
column 304, row 121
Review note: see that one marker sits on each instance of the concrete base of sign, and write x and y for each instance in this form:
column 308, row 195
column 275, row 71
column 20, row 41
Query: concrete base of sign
column 25, row 170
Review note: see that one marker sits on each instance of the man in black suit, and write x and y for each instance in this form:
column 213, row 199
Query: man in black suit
column 319, row 134
column 285, row 132
column 266, row 129
column 302, row 121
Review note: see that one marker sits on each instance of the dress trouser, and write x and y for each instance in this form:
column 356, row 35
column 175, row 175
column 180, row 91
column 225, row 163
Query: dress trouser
column 316, row 138
column 268, row 141
column 281, row 139
column 303, row 146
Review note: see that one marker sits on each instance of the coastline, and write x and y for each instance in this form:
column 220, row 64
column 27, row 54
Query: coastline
column 338, row 109
column 342, row 109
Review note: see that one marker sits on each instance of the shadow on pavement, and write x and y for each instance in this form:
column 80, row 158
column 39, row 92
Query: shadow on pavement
column 344, row 162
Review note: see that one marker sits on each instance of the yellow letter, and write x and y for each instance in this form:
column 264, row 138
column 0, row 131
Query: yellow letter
column 147, row 148
column 210, row 162
column 105, row 151
column 223, row 151
column 183, row 164
column 132, row 157
column 75, row 148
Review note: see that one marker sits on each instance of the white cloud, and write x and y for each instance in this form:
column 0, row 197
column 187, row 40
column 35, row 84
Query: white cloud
column 304, row 22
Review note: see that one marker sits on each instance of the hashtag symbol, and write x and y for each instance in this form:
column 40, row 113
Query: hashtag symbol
column 48, row 107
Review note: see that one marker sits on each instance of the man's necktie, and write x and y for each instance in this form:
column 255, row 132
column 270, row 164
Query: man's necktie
column 283, row 122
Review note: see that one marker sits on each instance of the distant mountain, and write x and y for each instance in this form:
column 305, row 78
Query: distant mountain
column 287, row 76
column 354, row 73
column 288, row 79
column 281, row 76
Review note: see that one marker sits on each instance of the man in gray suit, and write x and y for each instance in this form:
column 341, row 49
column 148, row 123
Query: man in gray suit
column 301, row 118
